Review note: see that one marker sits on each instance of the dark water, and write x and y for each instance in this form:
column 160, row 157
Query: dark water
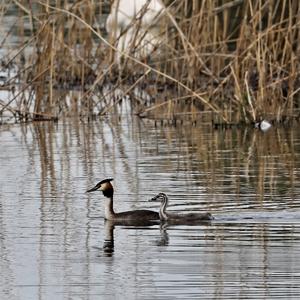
column 54, row 243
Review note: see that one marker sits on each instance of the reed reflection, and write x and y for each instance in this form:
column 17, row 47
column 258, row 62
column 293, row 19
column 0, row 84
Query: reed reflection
column 238, row 161
column 234, row 158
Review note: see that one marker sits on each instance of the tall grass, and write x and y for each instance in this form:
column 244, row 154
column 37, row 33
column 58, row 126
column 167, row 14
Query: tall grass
column 221, row 61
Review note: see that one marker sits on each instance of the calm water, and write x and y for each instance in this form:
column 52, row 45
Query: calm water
column 54, row 243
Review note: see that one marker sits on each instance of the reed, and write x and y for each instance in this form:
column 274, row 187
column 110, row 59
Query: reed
column 226, row 62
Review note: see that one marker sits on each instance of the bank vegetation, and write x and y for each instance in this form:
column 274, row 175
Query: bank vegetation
column 225, row 62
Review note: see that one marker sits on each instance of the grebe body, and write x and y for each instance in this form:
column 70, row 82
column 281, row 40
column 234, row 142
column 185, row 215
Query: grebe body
column 107, row 189
column 188, row 217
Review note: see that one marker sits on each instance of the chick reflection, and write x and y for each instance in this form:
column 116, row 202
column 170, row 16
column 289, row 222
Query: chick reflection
column 164, row 236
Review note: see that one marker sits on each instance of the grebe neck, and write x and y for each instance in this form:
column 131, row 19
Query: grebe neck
column 109, row 209
column 162, row 212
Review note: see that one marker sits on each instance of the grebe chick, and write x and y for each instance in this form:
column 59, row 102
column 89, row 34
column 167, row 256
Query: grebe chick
column 166, row 216
column 108, row 191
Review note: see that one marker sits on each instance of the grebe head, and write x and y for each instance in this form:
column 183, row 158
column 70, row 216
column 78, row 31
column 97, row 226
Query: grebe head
column 159, row 197
column 105, row 187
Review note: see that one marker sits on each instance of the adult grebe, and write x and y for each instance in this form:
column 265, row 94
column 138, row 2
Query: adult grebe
column 108, row 191
column 189, row 217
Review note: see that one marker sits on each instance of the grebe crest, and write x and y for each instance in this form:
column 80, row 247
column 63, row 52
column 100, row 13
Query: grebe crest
column 104, row 186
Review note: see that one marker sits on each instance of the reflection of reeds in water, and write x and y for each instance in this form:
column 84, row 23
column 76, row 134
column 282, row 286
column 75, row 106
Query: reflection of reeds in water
column 226, row 165
column 238, row 60
column 237, row 162
column 246, row 160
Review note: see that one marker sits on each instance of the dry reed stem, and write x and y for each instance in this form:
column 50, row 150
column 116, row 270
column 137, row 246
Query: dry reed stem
column 126, row 92
column 23, row 89
column 259, row 76
column 203, row 100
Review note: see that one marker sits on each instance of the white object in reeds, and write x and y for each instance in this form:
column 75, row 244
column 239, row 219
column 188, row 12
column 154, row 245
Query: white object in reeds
column 263, row 125
column 134, row 26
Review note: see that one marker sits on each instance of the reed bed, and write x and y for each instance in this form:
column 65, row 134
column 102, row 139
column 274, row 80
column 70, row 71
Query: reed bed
column 225, row 62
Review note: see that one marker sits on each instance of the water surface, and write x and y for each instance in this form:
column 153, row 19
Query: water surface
column 54, row 243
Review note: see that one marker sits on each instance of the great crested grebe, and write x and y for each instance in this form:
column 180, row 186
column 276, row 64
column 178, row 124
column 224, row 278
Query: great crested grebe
column 188, row 217
column 135, row 215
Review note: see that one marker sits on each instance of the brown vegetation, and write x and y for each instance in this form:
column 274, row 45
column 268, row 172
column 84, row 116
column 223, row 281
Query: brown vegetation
column 222, row 61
